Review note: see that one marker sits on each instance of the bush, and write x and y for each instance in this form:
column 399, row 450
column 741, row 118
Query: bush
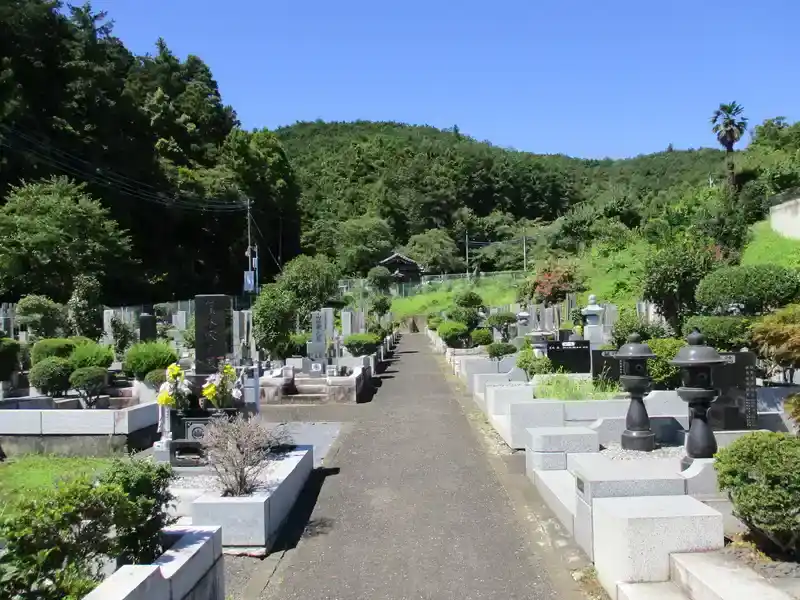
column 380, row 305
column 156, row 378
column 468, row 316
column 84, row 308
column 380, row 278
column 144, row 357
column 43, row 317
column 481, row 337
column 754, row 289
column 665, row 376
column 297, row 344
column 124, row 336
column 361, row 344
column 59, row 537
column 91, row 354
column 51, row 376
column 629, row 322
column 502, row 322
column 726, row 334
column 497, row 350
column 453, row 333
column 90, row 383
column 274, row 319
column 189, row 333
column 239, row 450
column 777, row 336
column 25, row 357
column 532, row 364
column 468, row 299
column 434, row 321
column 9, row 357
column 759, row 473
column 47, row 348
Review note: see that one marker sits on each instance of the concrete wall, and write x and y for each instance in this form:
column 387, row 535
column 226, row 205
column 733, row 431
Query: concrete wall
column 785, row 218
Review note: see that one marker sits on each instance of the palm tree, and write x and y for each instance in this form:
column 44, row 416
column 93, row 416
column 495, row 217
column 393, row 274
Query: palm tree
column 729, row 125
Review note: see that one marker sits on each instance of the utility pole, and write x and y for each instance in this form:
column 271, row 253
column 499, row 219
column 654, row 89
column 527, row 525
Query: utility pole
column 466, row 247
column 249, row 252
column 524, row 253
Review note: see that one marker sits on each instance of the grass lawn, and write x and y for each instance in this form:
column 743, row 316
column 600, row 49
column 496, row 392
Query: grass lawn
column 494, row 293
column 768, row 247
column 26, row 475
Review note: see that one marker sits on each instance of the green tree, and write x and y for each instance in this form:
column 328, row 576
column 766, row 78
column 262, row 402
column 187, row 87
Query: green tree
column 85, row 309
column 435, row 251
column 362, row 242
column 311, row 280
column 53, row 231
column 274, row 319
column 729, row 126
column 42, row 317
column 380, row 279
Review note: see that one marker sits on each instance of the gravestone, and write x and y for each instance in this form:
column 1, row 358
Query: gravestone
column 212, row 328
column 180, row 320
column 328, row 319
column 108, row 332
column 571, row 357
column 347, row 323
column 315, row 349
column 605, row 365
column 737, row 405
column 593, row 322
column 148, row 329
column 564, row 335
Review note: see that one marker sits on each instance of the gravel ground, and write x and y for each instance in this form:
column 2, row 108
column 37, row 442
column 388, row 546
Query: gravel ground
column 238, row 571
column 615, row 452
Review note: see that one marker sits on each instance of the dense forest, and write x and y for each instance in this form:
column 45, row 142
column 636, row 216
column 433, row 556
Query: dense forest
column 145, row 149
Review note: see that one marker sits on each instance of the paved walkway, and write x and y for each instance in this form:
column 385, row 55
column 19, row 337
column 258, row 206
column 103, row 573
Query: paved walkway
column 416, row 511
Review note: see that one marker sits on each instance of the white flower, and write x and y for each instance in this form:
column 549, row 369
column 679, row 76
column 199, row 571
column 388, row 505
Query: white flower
column 237, row 393
column 164, row 387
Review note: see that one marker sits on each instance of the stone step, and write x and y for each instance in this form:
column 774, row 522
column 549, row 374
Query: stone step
column 713, row 576
column 312, row 389
column 300, row 399
column 649, row 591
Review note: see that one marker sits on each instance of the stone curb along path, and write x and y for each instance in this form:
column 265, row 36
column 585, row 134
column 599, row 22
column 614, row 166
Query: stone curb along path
column 416, row 510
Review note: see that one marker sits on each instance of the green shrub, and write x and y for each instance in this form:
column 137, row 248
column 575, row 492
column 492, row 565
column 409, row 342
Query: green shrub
column 297, row 344
column 497, row 350
column 89, row 383
column 481, row 337
column 124, row 336
column 759, row 473
column 57, row 537
column 468, row 316
column 664, row 375
column 84, row 308
column 156, row 378
column 51, row 376
column 47, row 348
column 726, row 334
column 453, row 333
column 434, row 321
column 189, row 333
column 560, row 386
column 362, row 344
column 502, row 322
column 81, row 339
column 532, row 364
column 755, row 289
column 43, row 317
column 144, row 357
column 629, row 322
column 25, row 356
column 91, row 354
column 9, row 357
column 468, row 299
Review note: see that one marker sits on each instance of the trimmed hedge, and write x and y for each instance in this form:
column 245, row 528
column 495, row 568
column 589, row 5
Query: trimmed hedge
column 156, row 377
column 727, row 334
column 453, row 333
column 664, row 375
column 362, row 344
column 49, row 347
column 144, row 357
column 467, row 316
column 756, row 289
column 9, row 357
column 89, row 382
column 532, row 364
column 433, row 322
column 91, row 354
column 759, row 473
column 51, row 376
column 481, row 337
column 498, row 350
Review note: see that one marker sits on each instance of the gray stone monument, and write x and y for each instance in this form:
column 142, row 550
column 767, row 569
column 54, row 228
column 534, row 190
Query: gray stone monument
column 212, row 331
column 148, row 330
column 316, row 347
column 347, row 323
column 593, row 329
column 328, row 318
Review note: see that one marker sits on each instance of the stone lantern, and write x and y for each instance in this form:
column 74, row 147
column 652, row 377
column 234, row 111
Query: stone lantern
column 696, row 362
column 636, row 381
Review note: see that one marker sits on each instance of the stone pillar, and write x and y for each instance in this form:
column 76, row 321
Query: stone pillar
column 347, row 323
column 328, row 319
column 593, row 329
column 212, row 331
column 148, row 331
column 316, row 347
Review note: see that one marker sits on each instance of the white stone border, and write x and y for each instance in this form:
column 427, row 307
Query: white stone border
column 194, row 560
column 254, row 521
column 90, row 421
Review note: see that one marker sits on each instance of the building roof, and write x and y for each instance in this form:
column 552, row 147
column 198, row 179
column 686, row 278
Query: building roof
column 400, row 257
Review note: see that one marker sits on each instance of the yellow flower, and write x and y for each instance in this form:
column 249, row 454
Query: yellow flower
column 210, row 391
column 165, row 399
column 228, row 370
column 174, row 372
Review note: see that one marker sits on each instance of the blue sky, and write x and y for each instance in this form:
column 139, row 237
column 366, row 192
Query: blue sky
column 578, row 77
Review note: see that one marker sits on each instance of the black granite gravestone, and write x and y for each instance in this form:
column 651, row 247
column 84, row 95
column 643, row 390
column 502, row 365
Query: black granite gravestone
column 605, row 366
column 148, row 330
column 213, row 331
column 737, row 405
column 570, row 357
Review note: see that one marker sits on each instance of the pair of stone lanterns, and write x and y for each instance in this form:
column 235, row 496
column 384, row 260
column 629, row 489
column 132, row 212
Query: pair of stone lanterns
column 696, row 362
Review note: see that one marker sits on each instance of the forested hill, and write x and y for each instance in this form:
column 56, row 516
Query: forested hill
column 417, row 178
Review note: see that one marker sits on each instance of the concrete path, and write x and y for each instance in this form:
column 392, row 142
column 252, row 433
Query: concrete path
column 415, row 510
